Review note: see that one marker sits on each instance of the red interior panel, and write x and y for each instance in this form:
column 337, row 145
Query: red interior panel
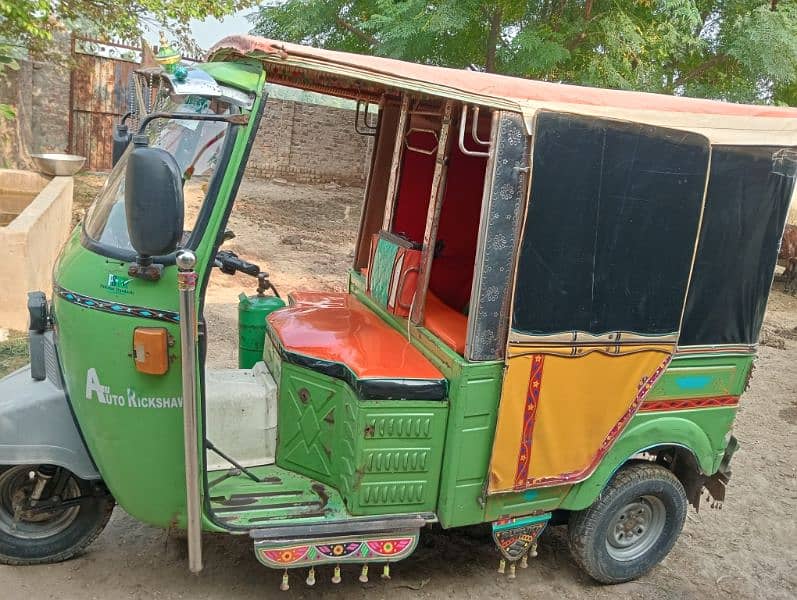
column 415, row 187
column 452, row 270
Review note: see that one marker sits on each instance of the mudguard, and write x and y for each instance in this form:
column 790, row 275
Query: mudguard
column 37, row 427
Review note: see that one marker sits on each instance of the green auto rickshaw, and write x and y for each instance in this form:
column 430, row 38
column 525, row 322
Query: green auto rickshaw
column 552, row 312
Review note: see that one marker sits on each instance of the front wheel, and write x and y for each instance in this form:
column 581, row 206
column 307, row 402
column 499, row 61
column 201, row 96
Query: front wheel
column 632, row 526
column 47, row 514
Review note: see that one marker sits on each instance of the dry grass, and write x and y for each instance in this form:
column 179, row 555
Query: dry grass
column 13, row 353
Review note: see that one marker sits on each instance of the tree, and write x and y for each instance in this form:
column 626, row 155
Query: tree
column 29, row 23
column 741, row 50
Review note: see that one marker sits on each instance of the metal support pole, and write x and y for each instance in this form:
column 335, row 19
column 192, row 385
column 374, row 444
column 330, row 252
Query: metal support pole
column 395, row 167
column 433, row 215
column 186, row 284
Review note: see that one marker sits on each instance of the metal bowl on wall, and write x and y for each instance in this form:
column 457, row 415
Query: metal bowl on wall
column 64, row 165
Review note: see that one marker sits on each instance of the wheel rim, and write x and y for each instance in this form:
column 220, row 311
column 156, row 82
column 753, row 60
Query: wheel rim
column 636, row 528
column 16, row 486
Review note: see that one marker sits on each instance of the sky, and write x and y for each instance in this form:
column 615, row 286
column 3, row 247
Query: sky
column 208, row 32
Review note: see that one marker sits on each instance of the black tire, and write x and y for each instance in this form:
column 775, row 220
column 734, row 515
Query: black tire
column 56, row 536
column 632, row 525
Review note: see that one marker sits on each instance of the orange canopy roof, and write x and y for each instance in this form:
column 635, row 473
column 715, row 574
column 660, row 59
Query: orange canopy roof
column 460, row 82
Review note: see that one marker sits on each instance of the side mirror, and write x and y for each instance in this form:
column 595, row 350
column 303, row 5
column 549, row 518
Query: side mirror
column 121, row 139
column 153, row 204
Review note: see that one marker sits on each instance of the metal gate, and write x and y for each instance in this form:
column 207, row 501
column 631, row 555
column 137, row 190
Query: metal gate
column 98, row 97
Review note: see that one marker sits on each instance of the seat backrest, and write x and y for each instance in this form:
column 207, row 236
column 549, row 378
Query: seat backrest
column 393, row 272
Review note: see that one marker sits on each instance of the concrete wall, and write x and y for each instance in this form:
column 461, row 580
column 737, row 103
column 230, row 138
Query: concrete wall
column 309, row 143
column 32, row 241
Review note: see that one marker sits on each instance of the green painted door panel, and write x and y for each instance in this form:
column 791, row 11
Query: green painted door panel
column 474, row 391
column 136, row 443
column 398, row 454
column 133, row 422
column 382, row 456
column 469, row 441
column 308, row 414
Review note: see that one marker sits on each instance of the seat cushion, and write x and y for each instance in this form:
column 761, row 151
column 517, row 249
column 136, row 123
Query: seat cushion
column 337, row 335
column 448, row 324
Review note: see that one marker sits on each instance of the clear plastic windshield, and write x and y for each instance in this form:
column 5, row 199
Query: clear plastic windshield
column 197, row 147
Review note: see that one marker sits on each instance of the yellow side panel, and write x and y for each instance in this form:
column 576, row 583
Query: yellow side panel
column 560, row 414
column 509, row 428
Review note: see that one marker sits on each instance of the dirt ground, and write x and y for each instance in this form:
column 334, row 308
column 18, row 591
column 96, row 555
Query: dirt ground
column 304, row 236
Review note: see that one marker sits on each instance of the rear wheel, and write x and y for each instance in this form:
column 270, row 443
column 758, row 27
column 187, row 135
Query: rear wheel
column 632, row 526
column 47, row 514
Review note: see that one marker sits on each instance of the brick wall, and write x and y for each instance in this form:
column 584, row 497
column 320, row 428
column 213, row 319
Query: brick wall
column 39, row 92
column 298, row 141
column 309, row 143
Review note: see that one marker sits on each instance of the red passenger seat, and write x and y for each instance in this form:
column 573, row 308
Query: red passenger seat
column 446, row 323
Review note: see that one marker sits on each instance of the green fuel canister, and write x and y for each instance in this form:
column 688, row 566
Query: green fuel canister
column 252, row 313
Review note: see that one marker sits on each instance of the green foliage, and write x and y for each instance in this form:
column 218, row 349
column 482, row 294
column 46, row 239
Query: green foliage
column 30, row 23
column 743, row 50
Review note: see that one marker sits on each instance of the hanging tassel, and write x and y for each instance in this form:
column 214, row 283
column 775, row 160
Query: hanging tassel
column 386, row 571
column 364, row 574
column 284, row 585
column 336, row 574
column 511, row 570
column 533, row 552
column 311, row 577
column 524, row 562
column 502, row 566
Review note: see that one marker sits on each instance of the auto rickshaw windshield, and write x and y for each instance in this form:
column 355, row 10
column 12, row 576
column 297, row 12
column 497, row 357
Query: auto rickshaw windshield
column 197, row 148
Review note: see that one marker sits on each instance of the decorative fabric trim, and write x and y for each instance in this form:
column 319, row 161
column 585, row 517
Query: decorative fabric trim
column 585, row 337
column 687, row 403
column 516, row 537
column 579, row 350
column 717, row 349
column 529, row 413
column 376, row 548
column 611, row 437
column 116, row 308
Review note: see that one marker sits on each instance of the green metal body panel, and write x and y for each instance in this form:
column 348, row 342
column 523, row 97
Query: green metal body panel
column 702, row 431
column 138, row 450
column 383, row 456
column 245, row 75
column 138, row 447
column 474, row 392
column 702, row 376
column 500, row 506
column 280, row 496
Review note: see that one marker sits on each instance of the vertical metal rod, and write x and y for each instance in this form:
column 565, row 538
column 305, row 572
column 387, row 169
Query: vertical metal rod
column 395, row 168
column 70, row 145
column 433, row 216
column 186, row 284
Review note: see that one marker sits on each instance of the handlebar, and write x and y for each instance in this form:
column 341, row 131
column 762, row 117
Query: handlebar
column 230, row 263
